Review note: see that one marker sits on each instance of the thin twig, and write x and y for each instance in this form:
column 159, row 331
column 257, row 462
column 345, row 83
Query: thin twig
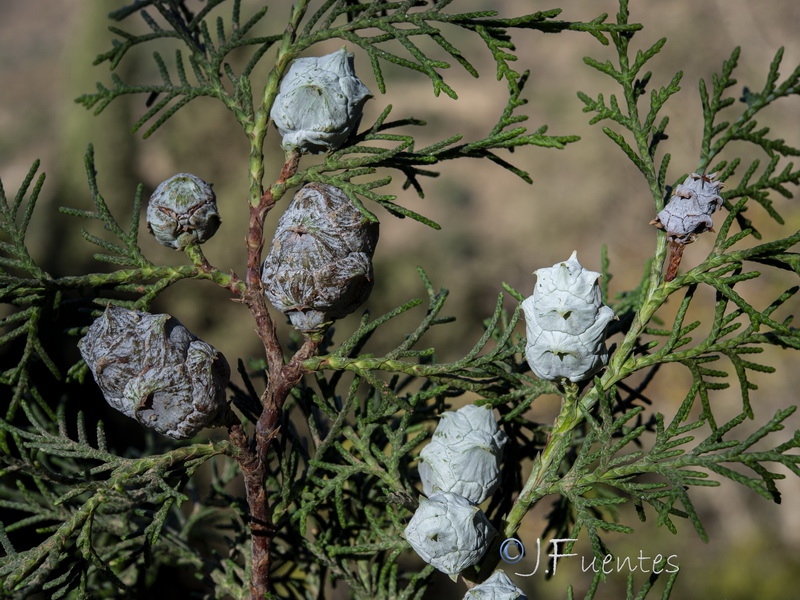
column 253, row 454
column 675, row 255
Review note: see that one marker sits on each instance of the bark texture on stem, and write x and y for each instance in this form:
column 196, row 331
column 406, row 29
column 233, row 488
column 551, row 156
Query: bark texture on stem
column 253, row 453
column 253, row 457
column 675, row 255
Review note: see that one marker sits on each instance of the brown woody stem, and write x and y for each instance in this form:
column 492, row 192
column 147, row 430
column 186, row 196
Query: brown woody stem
column 252, row 454
column 675, row 255
column 253, row 457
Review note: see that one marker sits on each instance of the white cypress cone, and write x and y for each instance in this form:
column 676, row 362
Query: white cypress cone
column 320, row 103
column 464, row 454
column 449, row 532
column 566, row 323
column 496, row 587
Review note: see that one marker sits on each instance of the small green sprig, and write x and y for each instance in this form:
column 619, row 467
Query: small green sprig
column 207, row 59
column 717, row 136
column 473, row 372
column 25, row 288
column 126, row 255
column 613, row 454
column 362, row 159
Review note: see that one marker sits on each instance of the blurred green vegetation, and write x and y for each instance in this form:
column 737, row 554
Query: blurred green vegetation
column 495, row 228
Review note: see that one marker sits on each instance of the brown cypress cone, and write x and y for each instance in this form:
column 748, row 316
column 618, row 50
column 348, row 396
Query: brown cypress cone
column 687, row 215
column 183, row 211
column 319, row 267
column 689, row 211
column 152, row 369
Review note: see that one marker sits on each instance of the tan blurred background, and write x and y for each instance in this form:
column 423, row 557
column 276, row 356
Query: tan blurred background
column 495, row 227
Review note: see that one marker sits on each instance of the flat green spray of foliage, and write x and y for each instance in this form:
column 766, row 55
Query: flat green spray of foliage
column 88, row 520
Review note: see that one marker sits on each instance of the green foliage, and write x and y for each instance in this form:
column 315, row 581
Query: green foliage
column 99, row 513
column 620, row 452
column 25, row 291
column 717, row 137
column 338, row 475
column 206, row 59
column 371, row 26
column 127, row 255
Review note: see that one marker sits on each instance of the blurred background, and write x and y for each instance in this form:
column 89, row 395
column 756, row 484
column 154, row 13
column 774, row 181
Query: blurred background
column 495, row 227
